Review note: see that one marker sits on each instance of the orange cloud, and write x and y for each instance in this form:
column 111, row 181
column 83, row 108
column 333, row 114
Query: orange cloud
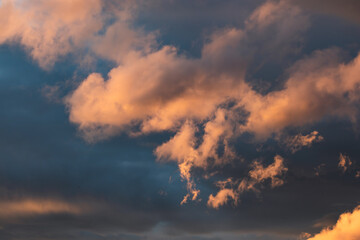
column 346, row 228
column 318, row 86
column 221, row 198
column 52, row 29
column 256, row 177
column 260, row 173
column 344, row 162
column 183, row 149
column 162, row 90
column 33, row 206
column 299, row 141
column 49, row 29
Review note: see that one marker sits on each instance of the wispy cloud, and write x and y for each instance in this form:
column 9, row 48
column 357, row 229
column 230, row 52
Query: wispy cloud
column 344, row 162
column 297, row 142
column 41, row 206
column 257, row 175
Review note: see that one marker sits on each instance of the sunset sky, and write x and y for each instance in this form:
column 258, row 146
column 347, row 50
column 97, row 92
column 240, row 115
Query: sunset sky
column 179, row 119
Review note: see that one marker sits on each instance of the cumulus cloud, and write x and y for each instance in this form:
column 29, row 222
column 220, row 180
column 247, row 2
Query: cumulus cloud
column 159, row 90
column 49, row 28
column 164, row 90
column 205, row 101
column 53, row 29
column 346, row 228
column 318, row 86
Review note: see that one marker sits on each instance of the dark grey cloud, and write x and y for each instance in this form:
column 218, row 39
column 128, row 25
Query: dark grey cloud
column 348, row 9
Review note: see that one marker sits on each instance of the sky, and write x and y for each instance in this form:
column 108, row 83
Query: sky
column 179, row 119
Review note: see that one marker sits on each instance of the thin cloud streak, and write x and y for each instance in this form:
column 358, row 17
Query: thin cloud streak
column 257, row 176
column 38, row 206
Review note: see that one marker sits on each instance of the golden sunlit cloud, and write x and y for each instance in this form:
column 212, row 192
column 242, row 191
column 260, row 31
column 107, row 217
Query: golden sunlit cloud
column 252, row 106
column 52, row 29
column 205, row 101
column 33, row 206
column 257, row 175
column 163, row 90
column 346, row 228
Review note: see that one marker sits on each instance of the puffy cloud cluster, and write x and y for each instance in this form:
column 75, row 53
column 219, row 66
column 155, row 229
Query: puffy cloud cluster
column 257, row 175
column 163, row 90
column 346, row 228
column 318, row 86
column 205, row 101
column 53, row 29
column 160, row 90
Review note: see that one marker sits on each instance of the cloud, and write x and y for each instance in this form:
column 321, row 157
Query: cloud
column 163, row 90
column 221, row 198
column 154, row 90
column 299, row 141
column 50, row 30
column 31, row 149
column 256, row 176
column 260, row 173
column 346, row 228
column 183, row 149
column 318, row 86
column 304, row 235
column 344, row 162
column 37, row 206
column 348, row 9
